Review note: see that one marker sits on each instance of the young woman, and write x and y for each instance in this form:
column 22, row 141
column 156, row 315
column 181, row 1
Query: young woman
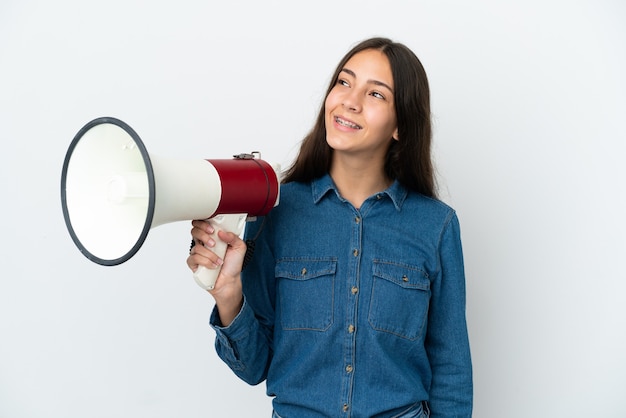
column 353, row 303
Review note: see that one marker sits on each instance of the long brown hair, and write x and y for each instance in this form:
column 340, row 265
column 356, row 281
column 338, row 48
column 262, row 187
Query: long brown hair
column 408, row 159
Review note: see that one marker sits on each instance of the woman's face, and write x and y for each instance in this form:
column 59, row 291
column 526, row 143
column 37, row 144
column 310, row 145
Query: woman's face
column 359, row 110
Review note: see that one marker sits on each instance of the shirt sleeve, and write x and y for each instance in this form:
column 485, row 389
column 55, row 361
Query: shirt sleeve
column 241, row 346
column 447, row 341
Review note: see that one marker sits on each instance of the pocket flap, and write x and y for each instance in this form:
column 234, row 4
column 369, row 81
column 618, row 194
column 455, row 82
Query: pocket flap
column 305, row 268
column 410, row 277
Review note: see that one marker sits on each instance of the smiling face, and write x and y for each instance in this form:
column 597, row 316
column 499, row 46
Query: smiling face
column 359, row 110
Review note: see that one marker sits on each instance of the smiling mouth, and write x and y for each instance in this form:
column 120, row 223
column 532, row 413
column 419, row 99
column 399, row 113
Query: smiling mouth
column 347, row 124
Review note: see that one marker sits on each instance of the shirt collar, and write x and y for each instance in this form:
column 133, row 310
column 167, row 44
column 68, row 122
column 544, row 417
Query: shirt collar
column 321, row 186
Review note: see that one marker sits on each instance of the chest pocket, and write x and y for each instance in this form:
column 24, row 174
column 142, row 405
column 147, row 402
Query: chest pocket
column 400, row 299
column 306, row 293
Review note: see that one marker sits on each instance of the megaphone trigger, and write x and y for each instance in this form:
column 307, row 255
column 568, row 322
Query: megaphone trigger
column 205, row 277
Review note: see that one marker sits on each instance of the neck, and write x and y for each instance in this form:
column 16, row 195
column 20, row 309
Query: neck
column 358, row 182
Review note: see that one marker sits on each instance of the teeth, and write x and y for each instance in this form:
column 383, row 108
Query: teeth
column 346, row 123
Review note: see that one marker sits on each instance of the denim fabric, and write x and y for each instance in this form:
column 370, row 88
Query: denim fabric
column 419, row 411
column 354, row 312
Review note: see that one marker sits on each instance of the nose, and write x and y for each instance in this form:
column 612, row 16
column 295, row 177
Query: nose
column 352, row 101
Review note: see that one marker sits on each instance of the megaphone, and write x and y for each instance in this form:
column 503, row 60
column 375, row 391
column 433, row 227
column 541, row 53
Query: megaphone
column 113, row 193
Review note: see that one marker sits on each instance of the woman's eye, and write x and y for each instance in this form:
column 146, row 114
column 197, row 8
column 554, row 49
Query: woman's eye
column 377, row 95
column 342, row 82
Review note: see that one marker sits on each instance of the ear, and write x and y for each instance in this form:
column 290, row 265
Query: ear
column 395, row 135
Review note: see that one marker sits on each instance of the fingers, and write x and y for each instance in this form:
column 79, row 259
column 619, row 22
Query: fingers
column 202, row 256
column 201, row 232
column 232, row 240
column 203, row 252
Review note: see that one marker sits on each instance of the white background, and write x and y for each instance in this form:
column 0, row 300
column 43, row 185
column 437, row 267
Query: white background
column 528, row 98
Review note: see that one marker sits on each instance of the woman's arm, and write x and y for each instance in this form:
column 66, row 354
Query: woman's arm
column 447, row 341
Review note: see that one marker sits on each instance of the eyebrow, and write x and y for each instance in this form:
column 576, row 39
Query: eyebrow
column 375, row 82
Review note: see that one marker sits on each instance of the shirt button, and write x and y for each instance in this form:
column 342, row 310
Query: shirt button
column 355, row 252
column 350, row 329
column 354, row 290
column 379, row 196
column 357, row 219
column 345, row 407
column 349, row 368
column 303, row 272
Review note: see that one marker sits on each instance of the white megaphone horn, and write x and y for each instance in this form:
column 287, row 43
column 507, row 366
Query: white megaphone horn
column 113, row 193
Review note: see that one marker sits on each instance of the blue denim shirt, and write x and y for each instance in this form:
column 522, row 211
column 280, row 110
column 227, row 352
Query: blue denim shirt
column 354, row 312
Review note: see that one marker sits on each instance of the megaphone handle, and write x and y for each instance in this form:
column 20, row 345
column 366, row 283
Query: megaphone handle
column 205, row 277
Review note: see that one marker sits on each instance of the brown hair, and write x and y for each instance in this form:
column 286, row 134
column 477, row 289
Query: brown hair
column 408, row 159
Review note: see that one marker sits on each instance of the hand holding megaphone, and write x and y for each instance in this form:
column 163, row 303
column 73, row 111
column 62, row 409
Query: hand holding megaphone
column 206, row 277
column 113, row 192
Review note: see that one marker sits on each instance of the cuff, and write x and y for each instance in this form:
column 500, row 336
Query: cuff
column 239, row 328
